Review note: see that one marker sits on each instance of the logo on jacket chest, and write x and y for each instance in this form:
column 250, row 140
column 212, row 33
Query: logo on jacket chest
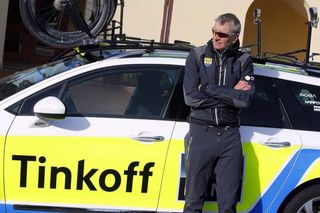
column 207, row 61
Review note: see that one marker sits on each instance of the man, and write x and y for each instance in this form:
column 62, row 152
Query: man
column 218, row 82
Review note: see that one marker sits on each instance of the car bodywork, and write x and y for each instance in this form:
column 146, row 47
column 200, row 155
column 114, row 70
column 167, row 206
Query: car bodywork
column 83, row 160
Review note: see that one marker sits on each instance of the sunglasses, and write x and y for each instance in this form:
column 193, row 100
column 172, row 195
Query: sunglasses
column 221, row 34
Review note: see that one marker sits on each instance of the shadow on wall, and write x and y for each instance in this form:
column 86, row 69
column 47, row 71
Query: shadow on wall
column 284, row 27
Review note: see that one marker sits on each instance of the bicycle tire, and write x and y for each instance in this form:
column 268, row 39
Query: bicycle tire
column 42, row 19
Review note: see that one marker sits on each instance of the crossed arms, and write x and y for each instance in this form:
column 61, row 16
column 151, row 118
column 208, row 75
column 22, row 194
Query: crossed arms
column 208, row 95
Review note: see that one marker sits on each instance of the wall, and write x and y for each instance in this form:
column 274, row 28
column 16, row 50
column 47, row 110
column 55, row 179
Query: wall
column 192, row 21
column 143, row 18
column 283, row 22
column 283, row 26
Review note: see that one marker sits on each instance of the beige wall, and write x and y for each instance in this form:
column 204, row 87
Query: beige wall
column 143, row 18
column 283, row 26
column 192, row 21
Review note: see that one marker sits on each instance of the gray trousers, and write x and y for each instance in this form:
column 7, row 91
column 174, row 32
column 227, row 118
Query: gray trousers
column 213, row 151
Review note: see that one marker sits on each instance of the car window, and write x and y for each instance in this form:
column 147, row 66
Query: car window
column 178, row 110
column 21, row 80
column 141, row 92
column 29, row 102
column 265, row 109
column 306, row 98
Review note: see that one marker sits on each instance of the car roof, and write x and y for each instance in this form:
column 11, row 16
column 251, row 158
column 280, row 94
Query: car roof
column 268, row 70
column 273, row 70
column 153, row 53
column 298, row 67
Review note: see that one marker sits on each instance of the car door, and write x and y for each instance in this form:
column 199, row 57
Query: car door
column 6, row 120
column 270, row 149
column 109, row 151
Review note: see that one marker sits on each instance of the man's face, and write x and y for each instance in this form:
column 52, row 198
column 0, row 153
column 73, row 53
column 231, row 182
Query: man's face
column 223, row 36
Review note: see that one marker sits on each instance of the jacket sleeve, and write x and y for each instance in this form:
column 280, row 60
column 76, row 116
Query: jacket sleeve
column 231, row 96
column 192, row 95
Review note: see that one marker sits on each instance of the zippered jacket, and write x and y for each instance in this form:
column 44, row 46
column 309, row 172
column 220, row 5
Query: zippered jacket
column 209, row 85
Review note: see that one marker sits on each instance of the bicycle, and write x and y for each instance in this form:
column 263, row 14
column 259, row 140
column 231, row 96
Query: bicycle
column 66, row 23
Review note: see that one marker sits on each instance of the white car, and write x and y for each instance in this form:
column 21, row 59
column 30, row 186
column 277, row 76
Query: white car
column 81, row 136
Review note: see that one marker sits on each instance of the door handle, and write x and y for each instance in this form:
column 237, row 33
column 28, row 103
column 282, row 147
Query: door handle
column 277, row 144
column 148, row 138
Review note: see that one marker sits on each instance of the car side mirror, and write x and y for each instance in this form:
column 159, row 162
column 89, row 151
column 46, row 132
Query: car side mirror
column 49, row 108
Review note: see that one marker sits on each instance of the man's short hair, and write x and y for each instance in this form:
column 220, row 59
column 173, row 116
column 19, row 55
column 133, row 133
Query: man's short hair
column 230, row 18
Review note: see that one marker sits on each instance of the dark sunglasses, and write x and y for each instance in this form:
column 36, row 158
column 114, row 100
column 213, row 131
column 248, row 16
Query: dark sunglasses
column 221, row 34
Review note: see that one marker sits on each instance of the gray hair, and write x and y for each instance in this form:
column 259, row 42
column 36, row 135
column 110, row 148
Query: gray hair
column 230, row 18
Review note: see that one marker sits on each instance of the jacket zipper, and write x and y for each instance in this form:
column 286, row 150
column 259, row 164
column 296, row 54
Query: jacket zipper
column 219, row 83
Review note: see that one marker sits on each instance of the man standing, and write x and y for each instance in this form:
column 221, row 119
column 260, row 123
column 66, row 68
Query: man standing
column 218, row 82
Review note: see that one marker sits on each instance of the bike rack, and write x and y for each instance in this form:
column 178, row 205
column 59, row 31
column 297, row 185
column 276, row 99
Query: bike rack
column 128, row 43
column 257, row 21
column 114, row 38
column 115, row 25
column 120, row 40
column 313, row 22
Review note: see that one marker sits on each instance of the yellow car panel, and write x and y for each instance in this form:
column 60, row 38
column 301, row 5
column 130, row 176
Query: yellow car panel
column 37, row 170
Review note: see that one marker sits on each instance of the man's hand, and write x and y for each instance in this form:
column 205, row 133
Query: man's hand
column 242, row 85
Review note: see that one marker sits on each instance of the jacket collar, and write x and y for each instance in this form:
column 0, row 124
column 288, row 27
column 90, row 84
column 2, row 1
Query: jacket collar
column 230, row 51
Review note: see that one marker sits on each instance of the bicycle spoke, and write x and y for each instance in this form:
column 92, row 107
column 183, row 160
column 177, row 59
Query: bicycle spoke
column 66, row 23
column 52, row 16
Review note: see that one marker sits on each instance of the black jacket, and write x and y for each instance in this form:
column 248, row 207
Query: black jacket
column 209, row 87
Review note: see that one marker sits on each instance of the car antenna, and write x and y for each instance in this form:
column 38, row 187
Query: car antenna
column 313, row 22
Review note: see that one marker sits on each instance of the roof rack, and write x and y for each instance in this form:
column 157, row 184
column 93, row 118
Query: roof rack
column 125, row 42
column 309, row 68
column 120, row 41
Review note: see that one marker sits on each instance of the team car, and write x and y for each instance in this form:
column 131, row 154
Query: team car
column 84, row 135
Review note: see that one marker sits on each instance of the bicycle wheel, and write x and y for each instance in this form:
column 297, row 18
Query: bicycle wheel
column 52, row 22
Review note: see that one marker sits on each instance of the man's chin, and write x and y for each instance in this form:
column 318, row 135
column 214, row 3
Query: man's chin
column 217, row 46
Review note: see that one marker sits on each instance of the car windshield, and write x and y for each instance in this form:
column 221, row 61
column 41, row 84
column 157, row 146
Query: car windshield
column 21, row 80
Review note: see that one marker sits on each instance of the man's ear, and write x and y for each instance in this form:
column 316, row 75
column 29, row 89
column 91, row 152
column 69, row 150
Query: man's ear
column 236, row 38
